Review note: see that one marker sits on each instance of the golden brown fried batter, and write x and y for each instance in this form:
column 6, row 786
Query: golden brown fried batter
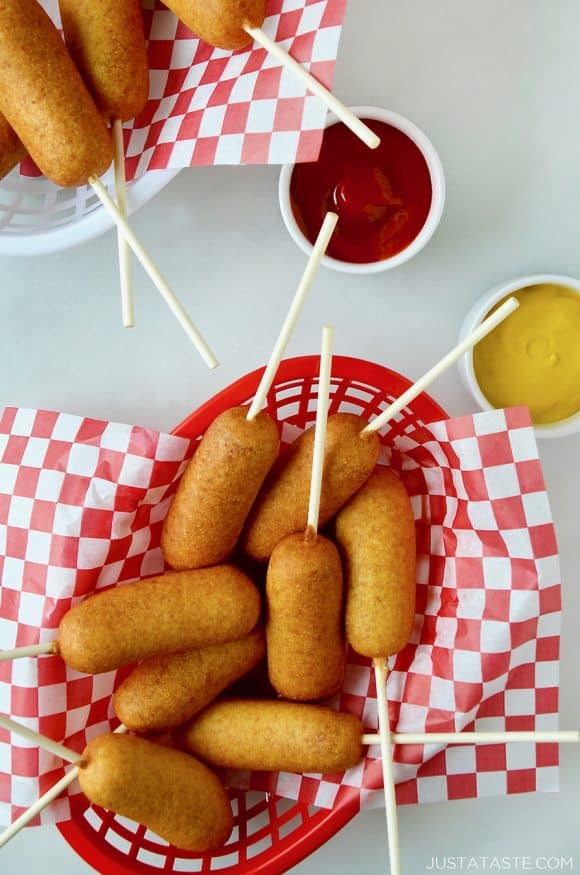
column 173, row 612
column 11, row 149
column 376, row 535
column 305, row 642
column 107, row 43
column 166, row 790
column 167, row 691
column 275, row 736
column 218, row 489
column 220, row 22
column 45, row 100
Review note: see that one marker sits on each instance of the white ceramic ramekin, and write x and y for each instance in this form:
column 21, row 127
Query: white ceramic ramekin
column 478, row 313
column 433, row 217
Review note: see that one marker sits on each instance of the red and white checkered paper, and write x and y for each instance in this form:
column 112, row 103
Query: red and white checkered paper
column 209, row 106
column 81, row 507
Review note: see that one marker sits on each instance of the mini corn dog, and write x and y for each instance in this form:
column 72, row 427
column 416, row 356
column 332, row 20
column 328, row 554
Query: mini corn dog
column 45, row 100
column 306, row 648
column 107, row 43
column 218, row 489
column 376, row 536
column 166, row 790
column 11, row 149
column 220, row 22
column 305, row 642
column 275, row 736
column 167, row 691
column 376, row 532
column 282, row 506
column 162, row 615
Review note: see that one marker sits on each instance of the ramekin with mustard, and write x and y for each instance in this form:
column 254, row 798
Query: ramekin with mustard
column 533, row 358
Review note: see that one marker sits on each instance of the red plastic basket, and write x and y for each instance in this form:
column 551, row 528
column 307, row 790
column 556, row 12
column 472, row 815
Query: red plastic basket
column 271, row 834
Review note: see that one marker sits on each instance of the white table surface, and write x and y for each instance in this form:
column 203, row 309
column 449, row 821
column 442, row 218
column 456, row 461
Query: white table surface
column 495, row 85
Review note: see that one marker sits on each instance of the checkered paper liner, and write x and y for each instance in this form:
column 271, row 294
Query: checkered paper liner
column 81, row 507
column 210, row 106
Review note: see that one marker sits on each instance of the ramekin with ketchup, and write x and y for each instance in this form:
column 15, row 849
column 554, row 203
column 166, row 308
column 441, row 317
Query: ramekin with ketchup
column 389, row 200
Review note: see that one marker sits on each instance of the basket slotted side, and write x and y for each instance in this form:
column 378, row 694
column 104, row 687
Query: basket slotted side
column 270, row 834
column 37, row 217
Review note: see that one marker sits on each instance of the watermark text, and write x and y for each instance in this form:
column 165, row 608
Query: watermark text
column 501, row 864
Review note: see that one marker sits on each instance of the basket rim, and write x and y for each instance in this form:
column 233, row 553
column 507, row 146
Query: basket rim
column 294, row 369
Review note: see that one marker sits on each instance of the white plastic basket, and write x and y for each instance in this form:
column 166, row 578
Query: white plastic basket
column 37, row 216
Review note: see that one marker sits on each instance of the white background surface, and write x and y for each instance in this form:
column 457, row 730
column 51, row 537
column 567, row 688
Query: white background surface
column 495, row 85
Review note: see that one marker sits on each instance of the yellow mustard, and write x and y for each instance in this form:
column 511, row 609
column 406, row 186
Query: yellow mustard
column 533, row 357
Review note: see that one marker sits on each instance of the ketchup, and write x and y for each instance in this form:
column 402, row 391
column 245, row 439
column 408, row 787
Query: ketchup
column 382, row 196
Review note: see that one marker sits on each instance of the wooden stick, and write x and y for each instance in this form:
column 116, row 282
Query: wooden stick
column 316, row 255
column 38, row 806
column 59, row 750
column 320, row 428
column 125, row 272
column 43, row 801
column 29, row 650
column 362, row 131
column 567, row 736
column 169, row 297
column 425, row 381
column 387, row 762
